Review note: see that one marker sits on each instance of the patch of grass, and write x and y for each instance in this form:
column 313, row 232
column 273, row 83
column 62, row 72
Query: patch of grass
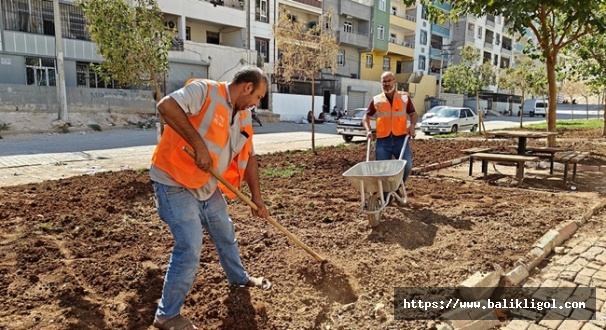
column 284, row 172
column 95, row 127
column 457, row 135
column 63, row 129
column 48, row 227
column 570, row 124
column 4, row 126
column 141, row 170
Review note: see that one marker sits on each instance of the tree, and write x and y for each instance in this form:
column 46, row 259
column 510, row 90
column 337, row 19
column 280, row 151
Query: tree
column 522, row 78
column 468, row 77
column 132, row 40
column 554, row 24
column 304, row 51
column 571, row 87
column 591, row 50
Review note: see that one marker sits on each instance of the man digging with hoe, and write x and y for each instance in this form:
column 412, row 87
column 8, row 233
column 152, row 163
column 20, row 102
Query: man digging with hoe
column 210, row 118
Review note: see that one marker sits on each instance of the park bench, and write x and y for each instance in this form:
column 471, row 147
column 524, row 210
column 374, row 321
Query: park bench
column 476, row 150
column 544, row 153
column 519, row 160
column 569, row 157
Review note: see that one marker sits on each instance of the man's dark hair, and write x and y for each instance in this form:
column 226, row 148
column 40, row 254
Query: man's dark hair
column 251, row 74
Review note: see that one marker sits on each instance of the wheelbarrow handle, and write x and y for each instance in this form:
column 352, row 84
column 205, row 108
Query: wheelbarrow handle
column 255, row 207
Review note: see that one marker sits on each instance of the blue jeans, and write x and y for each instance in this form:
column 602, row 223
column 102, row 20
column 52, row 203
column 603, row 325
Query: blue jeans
column 392, row 146
column 185, row 216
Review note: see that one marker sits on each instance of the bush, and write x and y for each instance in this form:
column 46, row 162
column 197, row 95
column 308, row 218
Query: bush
column 95, row 127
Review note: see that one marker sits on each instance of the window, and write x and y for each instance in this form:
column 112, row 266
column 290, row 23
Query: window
column 187, row 33
column 399, row 67
column 347, row 27
column 496, row 59
column 423, row 12
column 292, row 18
column 341, row 57
column 87, row 76
column 261, row 10
column 422, row 62
column 212, row 37
column 394, row 10
column 479, row 32
column 497, row 40
column 369, row 61
column 386, row 63
column 40, row 71
column 423, row 40
column 262, row 48
column 380, row 32
column 382, row 5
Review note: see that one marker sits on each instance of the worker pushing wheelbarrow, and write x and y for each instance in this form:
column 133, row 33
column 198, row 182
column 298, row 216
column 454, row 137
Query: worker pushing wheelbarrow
column 378, row 182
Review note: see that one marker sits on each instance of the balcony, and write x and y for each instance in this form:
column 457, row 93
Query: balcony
column 443, row 5
column 400, row 47
column 404, row 21
column 353, row 9
column 488, row 45
column 177, row 45
column 470, row 36
column 440, row 30
column 313, row 3
column 353, row 39
column 490, row 20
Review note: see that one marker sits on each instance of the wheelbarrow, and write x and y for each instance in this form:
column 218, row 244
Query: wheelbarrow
column 378, row 181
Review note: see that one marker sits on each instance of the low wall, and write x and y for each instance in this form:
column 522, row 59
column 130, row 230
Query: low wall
column 79, row 99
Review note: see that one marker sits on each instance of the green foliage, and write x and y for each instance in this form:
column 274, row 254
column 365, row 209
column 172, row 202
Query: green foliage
column 141, row 170
column 468, row 77
column 95, row 127
column 4, row 126
column 132, row 40
column 570, row 125
column 284, row 172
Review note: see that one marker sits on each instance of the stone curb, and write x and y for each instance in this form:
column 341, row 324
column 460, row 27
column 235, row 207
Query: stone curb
column 541, row 249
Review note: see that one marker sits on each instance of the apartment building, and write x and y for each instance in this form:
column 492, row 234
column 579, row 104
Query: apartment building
column 214, row 39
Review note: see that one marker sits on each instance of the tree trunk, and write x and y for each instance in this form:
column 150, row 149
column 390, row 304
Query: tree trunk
column 550, row 63
column 313, row 115
column 587, row 106
column 481, row 126
column 604, row 126
column 157, row 99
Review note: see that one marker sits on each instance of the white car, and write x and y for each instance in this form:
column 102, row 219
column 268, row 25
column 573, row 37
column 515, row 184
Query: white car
column 432, row 112
column 450, row 120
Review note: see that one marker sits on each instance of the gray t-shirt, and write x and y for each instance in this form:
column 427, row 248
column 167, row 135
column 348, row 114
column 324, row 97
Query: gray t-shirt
column 191, row 98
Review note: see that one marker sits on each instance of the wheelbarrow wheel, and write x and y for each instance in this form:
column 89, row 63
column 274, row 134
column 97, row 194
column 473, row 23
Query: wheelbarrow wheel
column 373, row 204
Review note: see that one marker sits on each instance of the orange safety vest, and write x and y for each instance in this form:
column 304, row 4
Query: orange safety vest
column 391, row 118
column 170, row 157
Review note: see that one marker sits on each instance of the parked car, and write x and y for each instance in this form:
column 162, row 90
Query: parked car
column 351, row 125
column 534, row 107
column 450, row 120
column 432, row 112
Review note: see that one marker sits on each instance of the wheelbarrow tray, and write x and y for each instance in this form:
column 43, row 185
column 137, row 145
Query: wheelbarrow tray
column 368, row 176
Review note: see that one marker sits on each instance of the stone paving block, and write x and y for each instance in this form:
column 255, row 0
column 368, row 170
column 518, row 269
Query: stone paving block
column 582, row 262
column 598, row 283
column 578, row 249
column 589, row 241
column 581, row 294
column 571, row 325
column 536, row 327
column 531, row 286
column 581, row 314
column 567, row 275
column 601, row 258
column 590, row 326
column 526, row 314
column 548, row 241
column 566, row 260
column 592, row 253
column 552, row 320
column 582, row 280
column 599, row 320
column 586, row 271
column 594, row 265
column 518, row 325
column 600, row 275
column 552, row 272
column 565, row 230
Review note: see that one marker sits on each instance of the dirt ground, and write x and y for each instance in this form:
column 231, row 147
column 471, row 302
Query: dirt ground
column 90, row 252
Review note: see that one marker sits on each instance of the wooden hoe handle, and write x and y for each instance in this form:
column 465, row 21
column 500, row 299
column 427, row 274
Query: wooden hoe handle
column 254, row 207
